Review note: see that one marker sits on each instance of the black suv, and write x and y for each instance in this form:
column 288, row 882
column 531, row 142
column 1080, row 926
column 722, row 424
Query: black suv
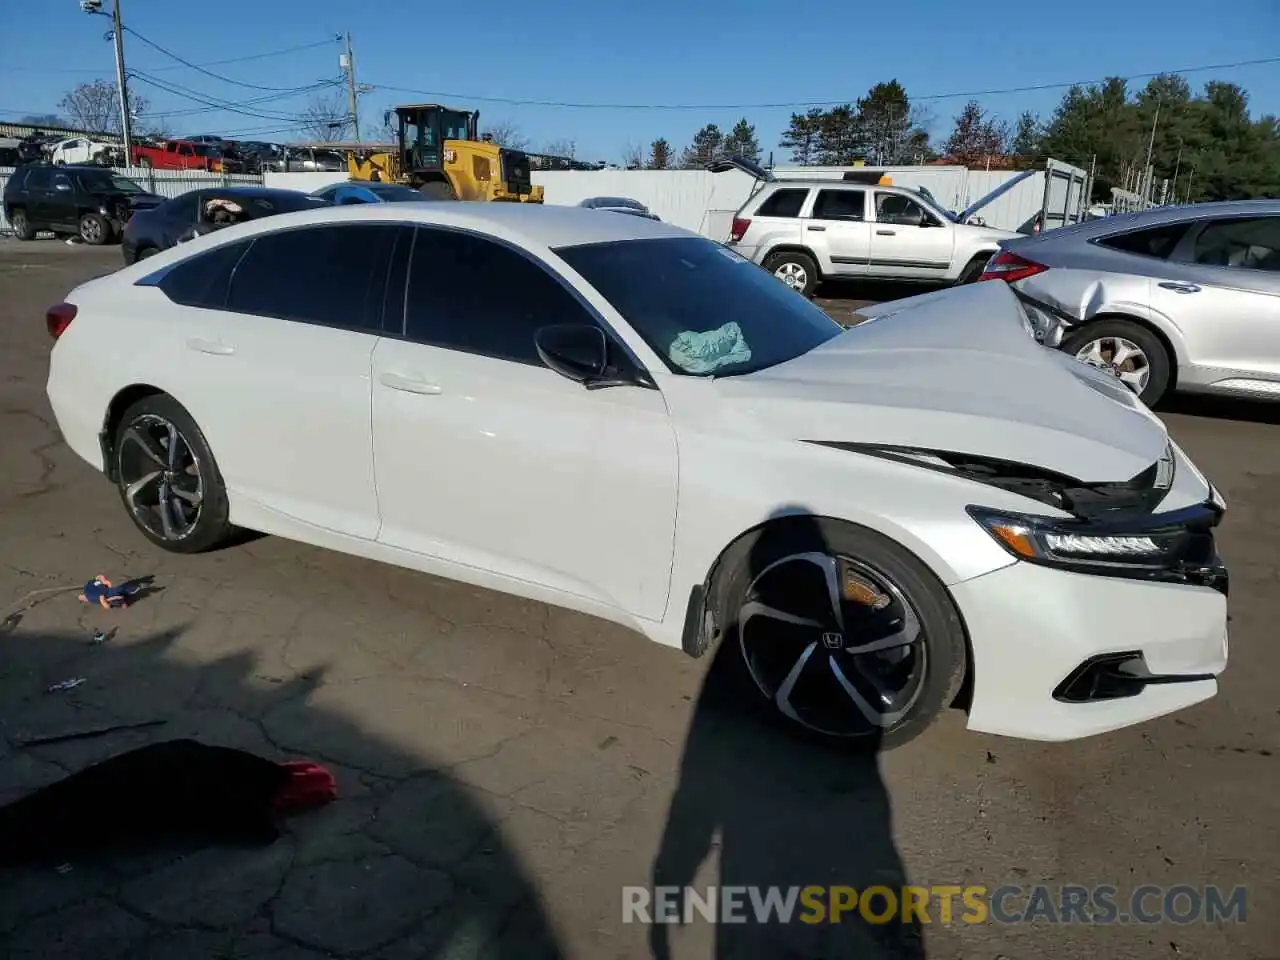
column 92, row 202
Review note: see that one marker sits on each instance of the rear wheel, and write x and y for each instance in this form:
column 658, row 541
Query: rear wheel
column 94, row 229
column 797, row 270
column 22, row 228
column 973, row 270
column 167, row 477
column 147, row 252
column 1126, row 350
column 843, row 635
column 438, row 190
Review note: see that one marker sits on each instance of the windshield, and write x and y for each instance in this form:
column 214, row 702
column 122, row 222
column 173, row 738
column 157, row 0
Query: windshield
column 207, row 149
column 704, row 309
column 109, row 181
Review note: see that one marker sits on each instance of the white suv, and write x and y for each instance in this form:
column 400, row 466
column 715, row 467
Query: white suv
column 803, row 231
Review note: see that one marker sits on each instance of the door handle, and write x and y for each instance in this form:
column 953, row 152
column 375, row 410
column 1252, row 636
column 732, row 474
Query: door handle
column 408, row 384
column 816, row 229
column 215, row 347
column 1179, row 286
column 886, row 233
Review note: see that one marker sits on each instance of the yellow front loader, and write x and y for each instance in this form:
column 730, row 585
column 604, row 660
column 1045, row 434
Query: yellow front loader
column 438, row 152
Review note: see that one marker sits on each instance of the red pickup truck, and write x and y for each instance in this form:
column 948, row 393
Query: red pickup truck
column 182, row 155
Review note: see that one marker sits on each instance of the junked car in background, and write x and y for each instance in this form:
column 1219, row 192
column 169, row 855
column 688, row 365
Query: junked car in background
column 93, row 203
column 198, row 212
column 1175, row 298
column 363, row 191
column 804, row 231
column 620, row 205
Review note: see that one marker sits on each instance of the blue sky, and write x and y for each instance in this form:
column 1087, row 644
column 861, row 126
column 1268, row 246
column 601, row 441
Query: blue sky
column 658, row 53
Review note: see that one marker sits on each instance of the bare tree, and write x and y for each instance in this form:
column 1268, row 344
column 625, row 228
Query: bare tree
column 325, row 117
column 561, row 148
column 95, row 107
column 506, row 134
column 633, row 157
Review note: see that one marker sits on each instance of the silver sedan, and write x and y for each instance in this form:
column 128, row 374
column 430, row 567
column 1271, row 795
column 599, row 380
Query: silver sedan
column 1174, row 298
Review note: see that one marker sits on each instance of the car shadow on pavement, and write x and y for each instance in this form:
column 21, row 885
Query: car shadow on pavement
column 405, row 863
column 1220, row 408
column 780, row 811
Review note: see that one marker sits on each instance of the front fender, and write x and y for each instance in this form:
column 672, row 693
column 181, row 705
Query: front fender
column 732, row 484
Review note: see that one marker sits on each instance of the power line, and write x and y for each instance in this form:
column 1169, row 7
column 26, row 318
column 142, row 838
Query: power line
column 219, row 105
column 212, row 103
column 193, row 66
column 186, row 66
column 970, row 94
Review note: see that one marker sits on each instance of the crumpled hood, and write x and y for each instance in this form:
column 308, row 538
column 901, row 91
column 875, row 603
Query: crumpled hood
column 956, row 370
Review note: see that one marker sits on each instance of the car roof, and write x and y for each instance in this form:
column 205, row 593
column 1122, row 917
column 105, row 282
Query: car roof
column 250, row 192
column 531, row 224
column 1155, row 217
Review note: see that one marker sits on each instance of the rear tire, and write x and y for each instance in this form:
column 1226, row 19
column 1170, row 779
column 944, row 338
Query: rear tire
column 797, row 270
column 973, row 269
column 168, row 479
column 22, row 228
column 145, row 252
column 1099, row 342
column 438, row 190
column 806, row 675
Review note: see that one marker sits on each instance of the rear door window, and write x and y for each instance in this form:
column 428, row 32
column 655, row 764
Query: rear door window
column 202, row 280
column 333, row 276
column 848, row 205
column 1158, row 242
column 783, row 203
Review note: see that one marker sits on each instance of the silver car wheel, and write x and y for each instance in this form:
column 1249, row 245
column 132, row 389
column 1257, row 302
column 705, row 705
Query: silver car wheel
column 834, row 644
column 160, row 477
column 793, row 275
column 1119, row 357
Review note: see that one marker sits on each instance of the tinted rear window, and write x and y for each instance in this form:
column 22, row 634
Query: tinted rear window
column 701, row 307
column 1154, row 242
column 783, row 203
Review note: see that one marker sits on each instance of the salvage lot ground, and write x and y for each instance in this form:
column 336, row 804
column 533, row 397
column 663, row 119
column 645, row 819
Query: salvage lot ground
column 505, row 768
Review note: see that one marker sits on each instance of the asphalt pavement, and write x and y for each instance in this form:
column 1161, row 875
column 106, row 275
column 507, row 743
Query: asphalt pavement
column 506, row 769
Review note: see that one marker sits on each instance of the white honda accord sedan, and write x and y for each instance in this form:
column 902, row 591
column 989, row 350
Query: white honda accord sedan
column 617, row 416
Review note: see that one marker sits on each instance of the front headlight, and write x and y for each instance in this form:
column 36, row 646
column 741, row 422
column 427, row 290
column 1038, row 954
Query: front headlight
column 1174, row 547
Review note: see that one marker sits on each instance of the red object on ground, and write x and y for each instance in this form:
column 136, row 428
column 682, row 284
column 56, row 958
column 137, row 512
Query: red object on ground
column 310, row 785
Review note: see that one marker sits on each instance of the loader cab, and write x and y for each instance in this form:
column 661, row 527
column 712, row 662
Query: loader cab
column 422, row 130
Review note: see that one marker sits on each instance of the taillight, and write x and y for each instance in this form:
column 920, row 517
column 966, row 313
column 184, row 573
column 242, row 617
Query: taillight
column 58, row 317
column 1010, row 268
column 739, row 228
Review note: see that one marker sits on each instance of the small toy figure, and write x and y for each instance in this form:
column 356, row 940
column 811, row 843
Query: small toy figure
column 100, row 591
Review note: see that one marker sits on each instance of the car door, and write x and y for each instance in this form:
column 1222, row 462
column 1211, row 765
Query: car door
column 487, row 458
column 62, row 202
column 39, row 196
column 839, row 217
column 1220, row 286
column 909, row 241
column 278, row 379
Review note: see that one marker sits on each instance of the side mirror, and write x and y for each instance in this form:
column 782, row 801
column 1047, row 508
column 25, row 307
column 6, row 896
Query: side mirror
column 580, row 352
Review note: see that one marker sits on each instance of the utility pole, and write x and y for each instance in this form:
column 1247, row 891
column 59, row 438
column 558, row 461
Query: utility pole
column 1146, row 193
column 349, row 67
column 1177, row 166
column 117, row 35
column 126, row 121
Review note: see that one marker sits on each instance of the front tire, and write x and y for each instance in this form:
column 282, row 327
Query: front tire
column 842, row 635
column 94, row 229
column 1127, row 350
column 168, row 479
column 797, row 270
column 22, row 228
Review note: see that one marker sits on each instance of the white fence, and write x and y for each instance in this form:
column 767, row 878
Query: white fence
column 705, row 202
column 166, row 183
